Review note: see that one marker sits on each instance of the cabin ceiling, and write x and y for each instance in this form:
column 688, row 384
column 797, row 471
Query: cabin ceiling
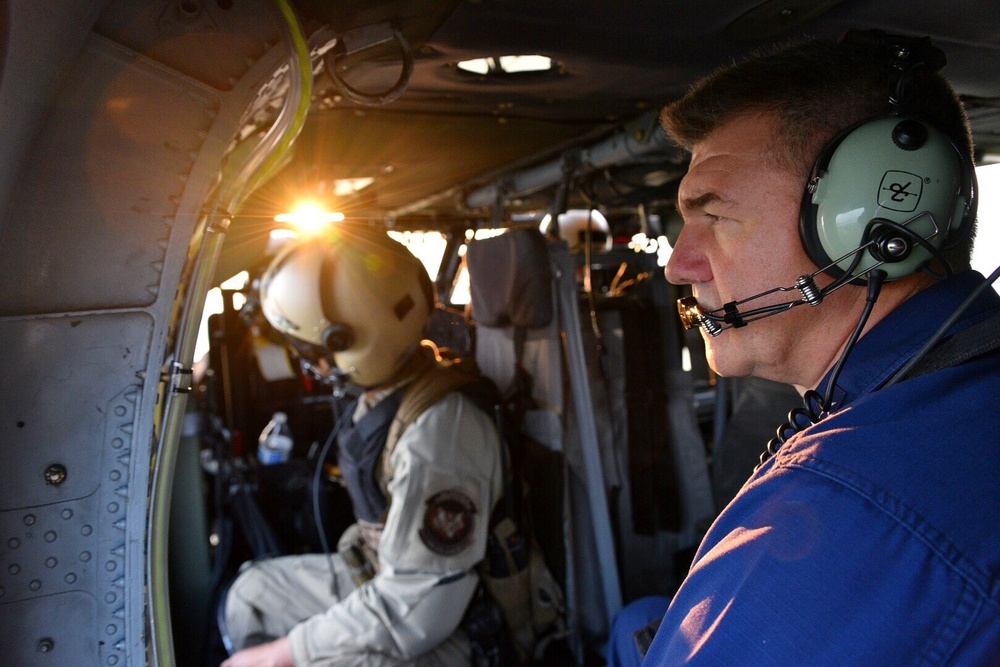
column 448, row 133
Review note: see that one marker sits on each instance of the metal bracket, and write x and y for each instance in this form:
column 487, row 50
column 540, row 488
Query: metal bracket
column 569, row 166
column 181, row 378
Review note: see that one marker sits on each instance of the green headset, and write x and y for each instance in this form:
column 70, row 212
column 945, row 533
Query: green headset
column 885, row 197
column 892, row 192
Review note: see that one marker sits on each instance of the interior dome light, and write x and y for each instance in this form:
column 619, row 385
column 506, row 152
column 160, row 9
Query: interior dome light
column 506, row 65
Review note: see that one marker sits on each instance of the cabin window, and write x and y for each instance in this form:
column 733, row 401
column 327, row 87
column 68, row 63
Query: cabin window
column 986, row 250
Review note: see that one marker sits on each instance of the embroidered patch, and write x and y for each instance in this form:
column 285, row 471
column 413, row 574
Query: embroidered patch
column 448, row 522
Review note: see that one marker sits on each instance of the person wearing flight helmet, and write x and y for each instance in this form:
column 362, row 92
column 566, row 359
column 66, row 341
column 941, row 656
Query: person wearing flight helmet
column 422, row 510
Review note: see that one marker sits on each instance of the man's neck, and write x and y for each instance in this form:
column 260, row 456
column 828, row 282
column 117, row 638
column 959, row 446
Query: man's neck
column 892, row 296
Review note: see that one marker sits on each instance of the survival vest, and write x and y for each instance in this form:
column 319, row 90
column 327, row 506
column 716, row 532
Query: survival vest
column 359, row 450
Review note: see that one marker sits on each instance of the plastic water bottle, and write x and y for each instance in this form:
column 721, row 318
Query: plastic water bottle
column 275, row 442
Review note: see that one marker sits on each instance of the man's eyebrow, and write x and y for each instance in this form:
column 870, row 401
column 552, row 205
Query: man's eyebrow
column 699, row 202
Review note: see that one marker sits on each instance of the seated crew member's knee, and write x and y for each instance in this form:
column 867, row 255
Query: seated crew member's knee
column 243, row 624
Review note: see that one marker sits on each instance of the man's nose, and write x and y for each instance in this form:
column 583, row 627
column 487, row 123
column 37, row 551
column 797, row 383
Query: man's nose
column 688, row 263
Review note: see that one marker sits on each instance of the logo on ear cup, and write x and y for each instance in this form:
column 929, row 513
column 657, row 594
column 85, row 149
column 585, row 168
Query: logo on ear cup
column 900, row 191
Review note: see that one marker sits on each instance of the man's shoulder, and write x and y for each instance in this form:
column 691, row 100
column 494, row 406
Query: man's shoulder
column 450, row 388
column 914, row 452
column 445, row 408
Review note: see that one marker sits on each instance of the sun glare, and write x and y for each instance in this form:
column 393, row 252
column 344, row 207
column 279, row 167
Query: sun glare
column 309, row 217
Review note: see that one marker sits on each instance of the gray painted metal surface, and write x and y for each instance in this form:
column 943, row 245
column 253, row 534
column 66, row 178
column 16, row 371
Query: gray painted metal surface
column 109, row 157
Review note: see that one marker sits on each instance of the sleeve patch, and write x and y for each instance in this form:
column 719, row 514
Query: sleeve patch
column 449, row 519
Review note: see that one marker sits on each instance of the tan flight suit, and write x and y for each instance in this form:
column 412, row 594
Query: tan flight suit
column 446, row 478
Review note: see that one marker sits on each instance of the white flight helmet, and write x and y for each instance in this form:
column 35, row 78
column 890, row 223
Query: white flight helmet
column 574, row 225
column 355, row 294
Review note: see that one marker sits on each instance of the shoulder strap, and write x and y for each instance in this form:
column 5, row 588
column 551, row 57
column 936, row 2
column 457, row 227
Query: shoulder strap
column 430, row 387
column 968, row 344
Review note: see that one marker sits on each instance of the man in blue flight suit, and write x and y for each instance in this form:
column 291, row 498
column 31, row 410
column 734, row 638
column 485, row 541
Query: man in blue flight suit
column 869, row 534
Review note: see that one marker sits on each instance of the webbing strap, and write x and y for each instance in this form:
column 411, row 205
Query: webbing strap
column 425, row 391
column 968, row 344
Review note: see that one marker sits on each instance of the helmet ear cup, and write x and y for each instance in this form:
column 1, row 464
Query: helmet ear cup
column 338, row 337
column 889, row 177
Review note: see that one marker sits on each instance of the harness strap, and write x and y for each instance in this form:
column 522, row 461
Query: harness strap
column 970, row 343
column 429, row 388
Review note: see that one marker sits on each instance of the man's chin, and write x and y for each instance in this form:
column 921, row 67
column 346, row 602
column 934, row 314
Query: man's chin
column 722, row 361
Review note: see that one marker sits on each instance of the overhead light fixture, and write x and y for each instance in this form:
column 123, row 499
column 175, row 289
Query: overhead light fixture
column 506, row 65
column 343, row 187
column 309, row 217
column 514, row 64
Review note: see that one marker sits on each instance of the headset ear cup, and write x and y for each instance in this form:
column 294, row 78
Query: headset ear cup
column 891, row 171
column 968, row 201
column 808, row 224
column 338, row 337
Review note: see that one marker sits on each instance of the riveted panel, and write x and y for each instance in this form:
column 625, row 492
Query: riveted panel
column 64, row 412
column 204, row 39
column 77, row 544
column 49, row 550
column 37, row 632
column 109, row 172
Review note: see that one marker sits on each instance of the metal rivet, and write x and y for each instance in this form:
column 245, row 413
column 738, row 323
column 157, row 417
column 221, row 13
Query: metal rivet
column 55, row 474
column 46, row 644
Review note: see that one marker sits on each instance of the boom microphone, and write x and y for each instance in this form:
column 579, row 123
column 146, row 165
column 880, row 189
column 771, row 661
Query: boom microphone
column 885, row 242
column 714, row 322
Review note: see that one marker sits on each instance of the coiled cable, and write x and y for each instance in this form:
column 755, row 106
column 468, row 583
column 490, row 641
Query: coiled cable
column 816, row 408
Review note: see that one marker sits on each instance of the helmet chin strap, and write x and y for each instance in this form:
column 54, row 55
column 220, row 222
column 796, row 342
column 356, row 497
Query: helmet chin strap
column 341, row 381
column 330, row 376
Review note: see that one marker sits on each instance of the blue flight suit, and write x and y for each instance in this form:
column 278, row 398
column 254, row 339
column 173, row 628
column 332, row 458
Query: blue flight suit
column 871, row 538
